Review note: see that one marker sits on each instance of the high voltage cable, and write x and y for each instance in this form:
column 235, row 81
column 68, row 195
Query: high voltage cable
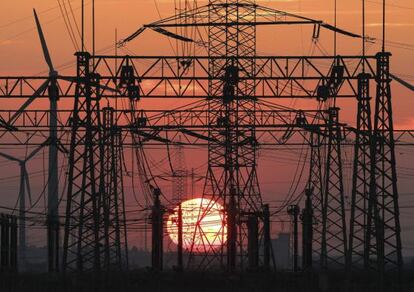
column 29, row 17
column 15, row 36
column 391, row 5
column 68, row 25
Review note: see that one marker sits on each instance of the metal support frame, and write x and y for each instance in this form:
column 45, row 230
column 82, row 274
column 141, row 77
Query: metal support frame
column 384, row 241
column 231, row 175
column 334, row 241
column 163, row 77
column 359, row 255
column 315, row 184
column 113, row 202
column 83, row 232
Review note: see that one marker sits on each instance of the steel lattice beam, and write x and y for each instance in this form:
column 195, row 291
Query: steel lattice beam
column 273, row 128
column 188, row 77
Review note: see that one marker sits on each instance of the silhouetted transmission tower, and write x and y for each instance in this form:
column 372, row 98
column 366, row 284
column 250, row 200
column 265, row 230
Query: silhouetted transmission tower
column 231, row 175
column 95, row 216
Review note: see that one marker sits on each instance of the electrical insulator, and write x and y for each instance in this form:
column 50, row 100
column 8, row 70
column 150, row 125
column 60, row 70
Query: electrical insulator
column 127, row 76
column 134, row 93
column 323, row 93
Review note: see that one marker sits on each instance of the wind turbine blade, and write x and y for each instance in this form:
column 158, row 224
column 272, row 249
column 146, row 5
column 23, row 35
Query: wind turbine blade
column 43, row 42
column 9, row 157
column 42, row 88
column 402, row 82
column 26, row 178
column 34, row 152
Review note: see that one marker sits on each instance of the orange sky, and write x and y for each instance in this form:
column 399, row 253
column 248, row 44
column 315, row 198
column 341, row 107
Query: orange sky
column 20, row 52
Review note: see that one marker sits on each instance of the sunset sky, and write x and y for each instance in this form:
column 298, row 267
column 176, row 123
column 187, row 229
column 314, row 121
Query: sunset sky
column 20, row 51
column 20, row 54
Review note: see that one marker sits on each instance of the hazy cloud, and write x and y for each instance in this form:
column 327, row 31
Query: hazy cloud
column 9, row 43
column 395, row 24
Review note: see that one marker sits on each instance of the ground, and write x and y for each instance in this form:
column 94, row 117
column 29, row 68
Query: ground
column 146, row 280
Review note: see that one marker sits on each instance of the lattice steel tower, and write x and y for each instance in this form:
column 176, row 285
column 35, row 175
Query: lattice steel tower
column 359, row 249
column 95, row 234
column 231, row 175
column 113, row 202
column 83, row 233
column 384, row 241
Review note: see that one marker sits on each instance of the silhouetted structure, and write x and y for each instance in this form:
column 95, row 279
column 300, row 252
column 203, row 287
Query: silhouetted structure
column 233, row 115
column 8, row 243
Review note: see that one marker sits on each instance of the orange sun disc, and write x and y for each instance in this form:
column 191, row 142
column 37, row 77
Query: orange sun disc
column 204, row 225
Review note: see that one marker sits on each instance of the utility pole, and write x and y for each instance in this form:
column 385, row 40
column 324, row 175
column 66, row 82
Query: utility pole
column 13, row 244
column 8, row 243
column 157, row 231
column 231, row 233
column 180, row 239
column 253, row 241
column 5, row 242
column 307, row 232
column 294, row 211
column 266, row 237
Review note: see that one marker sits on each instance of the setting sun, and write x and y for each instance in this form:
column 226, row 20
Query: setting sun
column 203, row 225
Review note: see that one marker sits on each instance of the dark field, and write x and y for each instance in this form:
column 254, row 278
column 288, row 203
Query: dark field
column 194, row 282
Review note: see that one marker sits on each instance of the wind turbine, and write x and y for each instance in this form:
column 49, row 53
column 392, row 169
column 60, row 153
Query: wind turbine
column 53, row 180
column 51, row 84
column 24, row 186
column 53, row 199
